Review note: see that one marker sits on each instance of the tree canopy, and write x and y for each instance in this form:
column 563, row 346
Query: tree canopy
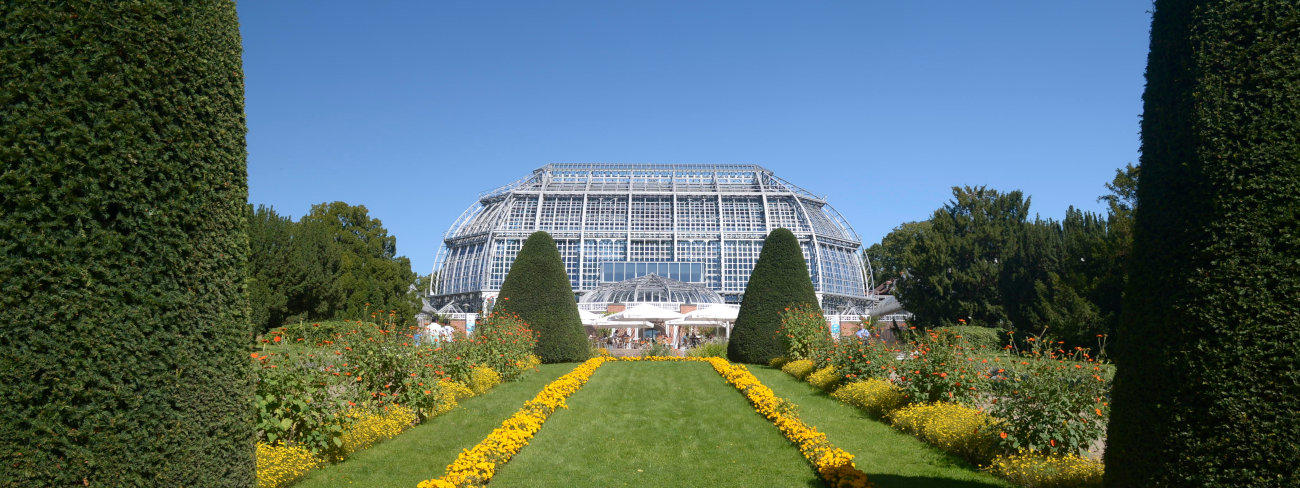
column 335, row 262
column 981, row 259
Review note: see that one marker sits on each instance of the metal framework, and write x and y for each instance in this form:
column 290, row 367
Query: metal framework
column 691, row 222
column 651, row 288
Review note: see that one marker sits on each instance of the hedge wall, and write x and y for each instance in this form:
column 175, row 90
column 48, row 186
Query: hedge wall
column 123, row 350
column 780, row 279
column 537, row 289
column 1207, row 387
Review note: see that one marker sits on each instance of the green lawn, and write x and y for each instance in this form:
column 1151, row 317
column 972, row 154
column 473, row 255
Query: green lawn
column 657, row 424
column 654, row 424
column 425, row 451
column 890, row 458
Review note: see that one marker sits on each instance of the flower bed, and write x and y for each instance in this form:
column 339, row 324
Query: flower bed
column 327, row 390
column 476, row 466
column 1026, row 415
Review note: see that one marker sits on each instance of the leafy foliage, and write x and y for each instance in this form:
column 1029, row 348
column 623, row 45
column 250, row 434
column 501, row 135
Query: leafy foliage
column 939, row 368
column 1056, row 404
column 708, row 349
column 537, row 289
column 780, row 280
column 979, row 261
column 506, row 343
column 857, row 360
column 335, row 263
column 124, row 243
column 1207, row 365
column 804, row 327
column 956, row 264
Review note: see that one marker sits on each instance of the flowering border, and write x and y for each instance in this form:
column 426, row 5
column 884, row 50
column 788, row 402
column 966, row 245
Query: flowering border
column 477, row 465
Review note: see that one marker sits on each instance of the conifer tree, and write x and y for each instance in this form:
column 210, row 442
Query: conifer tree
column 123, row 246
column 780, row 280
column 1207, row 386
column 537, row 289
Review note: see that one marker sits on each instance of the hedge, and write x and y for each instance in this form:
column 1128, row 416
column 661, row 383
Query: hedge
column 1207, row 387
column 124, row 350
column 780, row 279
column 537, row 289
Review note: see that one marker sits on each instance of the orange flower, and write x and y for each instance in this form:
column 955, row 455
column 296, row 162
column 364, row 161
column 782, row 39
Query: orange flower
column 1003, row 435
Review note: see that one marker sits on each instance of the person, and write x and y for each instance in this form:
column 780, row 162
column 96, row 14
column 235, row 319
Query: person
column 863, row 333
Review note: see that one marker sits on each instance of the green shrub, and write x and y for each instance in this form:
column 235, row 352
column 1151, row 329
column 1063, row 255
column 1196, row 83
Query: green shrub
column 977, row 337
column 799, row 368
column 537, row 290
column 940, row 371
column 658, row 349
column 506, row 343
column 957, row 429
column 123, row 246
column 1053, row 403
column 779, row 281
column 856, row 359
column 778, row 361
column 709, row 349
column 1043, row 471
column 292, row 408
column 804, row 328
column 1207, row 365
column 825, row 379
column 876, row 396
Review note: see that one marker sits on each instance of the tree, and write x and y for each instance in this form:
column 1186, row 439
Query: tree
column 1050, row 278
column 889, row 257
column 360, row 259
column 1207, row 386
column 537, row 289
column 335, row 262
column 269, row 241
column 123, row 355
column 780, row 280
column 955, row 266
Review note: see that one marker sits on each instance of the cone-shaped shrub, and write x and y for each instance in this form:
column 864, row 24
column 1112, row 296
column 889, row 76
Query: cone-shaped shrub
column 537, row 290
column 123, row 246
column 780, row 279
column 1206, row 389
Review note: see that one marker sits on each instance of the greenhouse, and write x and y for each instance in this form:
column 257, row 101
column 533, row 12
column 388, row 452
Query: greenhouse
column 699, row 224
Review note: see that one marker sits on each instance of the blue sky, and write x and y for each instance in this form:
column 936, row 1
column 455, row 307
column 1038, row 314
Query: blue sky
column 411, row 108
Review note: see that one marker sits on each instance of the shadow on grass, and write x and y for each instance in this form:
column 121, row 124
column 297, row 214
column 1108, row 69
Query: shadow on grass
column 893, row 480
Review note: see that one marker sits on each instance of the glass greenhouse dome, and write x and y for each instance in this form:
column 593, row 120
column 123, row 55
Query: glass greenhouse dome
column 700, row 224
column 651, row 288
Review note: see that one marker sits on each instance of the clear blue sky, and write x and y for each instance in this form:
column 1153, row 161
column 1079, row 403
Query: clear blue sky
column 411, row 108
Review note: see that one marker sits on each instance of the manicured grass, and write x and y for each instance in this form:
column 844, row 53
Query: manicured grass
column 657, row 424
column 890, row 458
column 654, row 424
column 425, row 451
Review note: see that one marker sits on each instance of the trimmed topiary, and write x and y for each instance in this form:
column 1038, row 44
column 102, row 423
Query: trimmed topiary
column 780, row 280
column 1207, row 366
column 537, row 290
column 123, row 246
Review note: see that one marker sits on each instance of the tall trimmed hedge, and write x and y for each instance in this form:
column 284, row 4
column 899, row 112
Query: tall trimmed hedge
column 1207, row 388
column 537, row 290
column 780, row 279
column 123, row 349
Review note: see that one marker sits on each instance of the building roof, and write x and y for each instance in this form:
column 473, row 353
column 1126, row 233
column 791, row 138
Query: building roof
column 651, row 288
